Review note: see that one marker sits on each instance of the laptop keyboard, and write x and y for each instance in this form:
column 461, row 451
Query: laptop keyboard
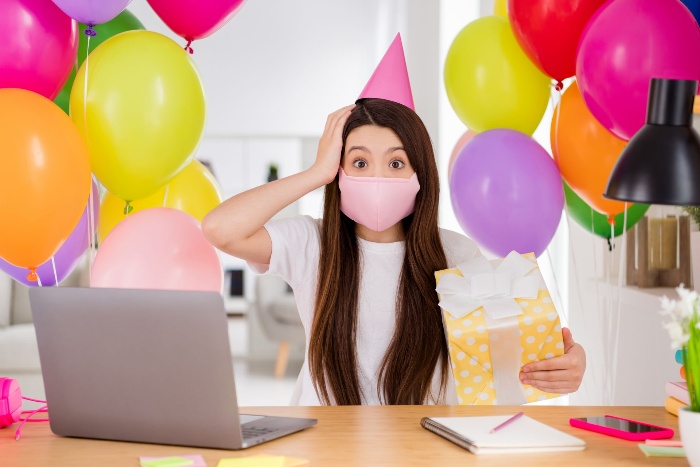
column 252, row 432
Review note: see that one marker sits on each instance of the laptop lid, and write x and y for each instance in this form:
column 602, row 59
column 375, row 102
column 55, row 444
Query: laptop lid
column 137, row 365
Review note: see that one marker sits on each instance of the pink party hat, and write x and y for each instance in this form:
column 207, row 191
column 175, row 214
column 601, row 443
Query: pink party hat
column 390, row 79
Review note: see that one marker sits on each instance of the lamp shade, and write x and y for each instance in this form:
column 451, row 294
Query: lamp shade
column 661, row 163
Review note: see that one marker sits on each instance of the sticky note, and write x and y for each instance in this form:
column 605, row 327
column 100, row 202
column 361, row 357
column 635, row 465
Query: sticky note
column 257, row 461
column 263, row 460
column 173, row 461
column 661, row 451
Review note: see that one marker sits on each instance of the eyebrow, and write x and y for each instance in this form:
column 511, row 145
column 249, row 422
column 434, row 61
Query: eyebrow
column 389, row 151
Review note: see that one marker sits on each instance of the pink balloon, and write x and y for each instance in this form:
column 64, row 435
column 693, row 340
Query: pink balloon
column 92, row 12
column 158, row 248
column 624, row 45
column 195, row 19
column 463, row 140
column 39, row 45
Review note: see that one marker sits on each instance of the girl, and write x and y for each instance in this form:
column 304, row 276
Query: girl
column 363, row 276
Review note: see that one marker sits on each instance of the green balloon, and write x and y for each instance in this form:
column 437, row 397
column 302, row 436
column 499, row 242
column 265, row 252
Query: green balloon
column 124, row 21
column 590, row 219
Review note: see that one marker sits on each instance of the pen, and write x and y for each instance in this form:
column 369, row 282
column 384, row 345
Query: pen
column 507, row 422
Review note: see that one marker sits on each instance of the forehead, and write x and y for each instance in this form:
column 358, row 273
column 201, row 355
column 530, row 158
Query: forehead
column 373, row 136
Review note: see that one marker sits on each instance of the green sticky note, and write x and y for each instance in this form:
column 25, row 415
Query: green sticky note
column 661, row 451
column 256, row 461
column 168, row 462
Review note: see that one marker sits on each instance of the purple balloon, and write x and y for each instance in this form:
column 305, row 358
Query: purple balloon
column 67, row 257
column 507, row 192
column 92, row 12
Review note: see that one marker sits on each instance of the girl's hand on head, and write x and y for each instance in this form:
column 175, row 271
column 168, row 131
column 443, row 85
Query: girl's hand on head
column 561, row 375
column 328, row 155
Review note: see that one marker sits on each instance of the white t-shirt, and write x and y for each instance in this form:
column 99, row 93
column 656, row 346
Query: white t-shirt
column 295, row 256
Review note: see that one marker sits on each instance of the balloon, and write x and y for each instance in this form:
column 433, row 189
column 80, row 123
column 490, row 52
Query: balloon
column 626, row 43
column 694, row 7
column 92, row 12
column 38, row 46
column 194, row 191
column 585, row 151
column 463, row 140
column 549, row 30
column 194, row 19
column 159, row 248
column 506, row 193
column 145, row 112
column 500, row 8
column 125, row 21
column 67, row 256
column 597, row 223
column 44, row 178
column 490, row 82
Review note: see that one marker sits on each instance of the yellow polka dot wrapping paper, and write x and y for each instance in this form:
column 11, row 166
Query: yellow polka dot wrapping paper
column 470, row 349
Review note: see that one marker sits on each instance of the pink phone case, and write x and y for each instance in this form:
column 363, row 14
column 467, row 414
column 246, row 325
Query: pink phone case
column 663, row 433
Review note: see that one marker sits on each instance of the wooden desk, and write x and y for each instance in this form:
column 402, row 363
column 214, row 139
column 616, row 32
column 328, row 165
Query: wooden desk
column 357, row 436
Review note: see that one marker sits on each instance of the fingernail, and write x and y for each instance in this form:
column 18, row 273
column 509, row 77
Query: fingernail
column 526, row 381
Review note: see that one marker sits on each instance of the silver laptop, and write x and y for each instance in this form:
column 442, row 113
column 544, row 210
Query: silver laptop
column 146, row 366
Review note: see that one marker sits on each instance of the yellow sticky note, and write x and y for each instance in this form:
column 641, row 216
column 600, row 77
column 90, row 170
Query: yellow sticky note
column 167, row 462
column 253, row 461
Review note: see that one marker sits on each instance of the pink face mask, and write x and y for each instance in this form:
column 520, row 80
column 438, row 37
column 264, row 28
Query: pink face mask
column 377, row 202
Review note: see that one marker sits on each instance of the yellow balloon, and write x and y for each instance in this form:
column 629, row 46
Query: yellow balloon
column 144, row 112
column 194, row 190
column 500, row 8
column 489, row 80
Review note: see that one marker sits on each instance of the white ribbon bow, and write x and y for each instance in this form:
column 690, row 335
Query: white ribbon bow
column 494, row 288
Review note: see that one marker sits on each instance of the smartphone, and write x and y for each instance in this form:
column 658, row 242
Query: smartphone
column 622, row 428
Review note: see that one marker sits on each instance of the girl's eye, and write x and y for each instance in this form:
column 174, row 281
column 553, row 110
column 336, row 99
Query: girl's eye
column 359, row 164
column 396, row 164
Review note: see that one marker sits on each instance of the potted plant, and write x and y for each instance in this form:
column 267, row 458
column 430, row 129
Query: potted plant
column 272, row 173
column 683, row 326
column 694, row 212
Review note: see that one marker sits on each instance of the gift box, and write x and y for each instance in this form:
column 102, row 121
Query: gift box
column 498, row 316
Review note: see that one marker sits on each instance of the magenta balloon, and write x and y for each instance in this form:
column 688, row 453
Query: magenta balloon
column 92, row 12
column 67, row 257
column 624, row 45
column 195, row 19
column 38, row 46
column 507, row 192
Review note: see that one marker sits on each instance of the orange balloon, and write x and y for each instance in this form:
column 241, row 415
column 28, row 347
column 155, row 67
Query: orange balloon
column 44, row 177
column 585, row 151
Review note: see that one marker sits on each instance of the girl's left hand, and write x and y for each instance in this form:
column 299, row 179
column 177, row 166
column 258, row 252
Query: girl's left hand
column 561, row 375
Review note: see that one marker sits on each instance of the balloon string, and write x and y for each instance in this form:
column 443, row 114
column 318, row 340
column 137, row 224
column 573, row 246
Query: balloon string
column 616, row 341
column 91, row 222
column 165, row 196
column 55, row 276
column 188, row 48
column 556, row 100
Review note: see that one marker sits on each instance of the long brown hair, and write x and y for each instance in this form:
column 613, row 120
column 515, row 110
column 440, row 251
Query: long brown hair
column 418, row 344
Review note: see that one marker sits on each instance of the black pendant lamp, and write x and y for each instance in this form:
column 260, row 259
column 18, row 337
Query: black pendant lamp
column 661, row 163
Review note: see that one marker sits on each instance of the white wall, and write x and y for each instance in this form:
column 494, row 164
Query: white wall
column 279, row 67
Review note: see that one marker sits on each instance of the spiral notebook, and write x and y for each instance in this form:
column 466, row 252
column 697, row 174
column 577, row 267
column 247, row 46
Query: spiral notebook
column 522, row 436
